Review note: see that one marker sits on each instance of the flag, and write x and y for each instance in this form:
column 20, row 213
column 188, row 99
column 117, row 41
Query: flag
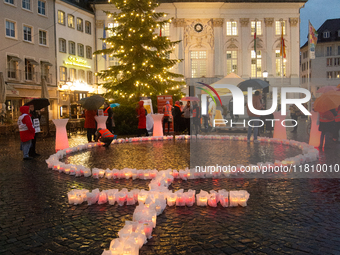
column 104, row 43
column 312, row 40
column 255, row 38
column 283, row 46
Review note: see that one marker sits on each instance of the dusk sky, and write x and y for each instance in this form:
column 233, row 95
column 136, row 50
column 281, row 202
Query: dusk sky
column 317, row 11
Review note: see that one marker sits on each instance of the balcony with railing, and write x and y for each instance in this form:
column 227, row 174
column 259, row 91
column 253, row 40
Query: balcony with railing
column 16, row 75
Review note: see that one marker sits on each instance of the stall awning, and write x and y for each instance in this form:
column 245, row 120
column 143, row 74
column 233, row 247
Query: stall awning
column 15, row 59
column 32, row 61
column 46, row 63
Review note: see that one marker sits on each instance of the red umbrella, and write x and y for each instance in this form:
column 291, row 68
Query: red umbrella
column 190, row 99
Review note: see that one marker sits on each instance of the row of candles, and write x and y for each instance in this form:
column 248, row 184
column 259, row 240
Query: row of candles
column 159, row 198
column 309, row 154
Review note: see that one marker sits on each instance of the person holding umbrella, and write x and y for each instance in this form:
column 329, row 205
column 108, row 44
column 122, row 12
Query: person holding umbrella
column 34, row 115
column 257, row 105
column 326, row 125
column 90, row 124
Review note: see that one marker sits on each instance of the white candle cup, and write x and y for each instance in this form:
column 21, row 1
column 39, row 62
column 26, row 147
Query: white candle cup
column 102, row 198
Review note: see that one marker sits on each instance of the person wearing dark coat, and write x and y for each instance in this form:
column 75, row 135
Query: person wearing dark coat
column 34, row 115
column 177, row 117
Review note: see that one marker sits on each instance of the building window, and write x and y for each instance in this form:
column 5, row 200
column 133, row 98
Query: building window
column 81, row 75
column 329, row 51
column 13, row 67
column 198, row 64
column 279, row 64
column 110, row 26
column 326, row 34
column 62, row 45
column 89, row 77
column 231, row 27
column 278, row 27
column 88, row 52
column 62, row 73
column 71, row 48
column 88, row 27
column 337, row 74
column 61, row 17
column 113, row 61
column 258, row 28
column 9, row 1
column 80, row 50
column 10, row 29
column 256, row 64
column 42, row 37
column 231, row 62
column 329, row 62
column 337, row 62
column 26, row 4
column 166, row 29
column 45, row 71
column 29, row 69
column 329, row 75
column 73, row 74
column 41, row 7
column 27, row 34
column 79, row 24
column 70, row 21
column 339, row 50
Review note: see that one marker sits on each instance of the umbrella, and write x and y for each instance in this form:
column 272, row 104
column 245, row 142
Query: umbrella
column 338, row 86
column 114, row 105
column 39, row 103
column 327, row 101
column 92, row 102
column 190, row 99
column 44, row 89
column 253, row 83
column 326, row 89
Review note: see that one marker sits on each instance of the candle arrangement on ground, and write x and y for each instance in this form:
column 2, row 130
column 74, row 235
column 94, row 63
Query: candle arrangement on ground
column 152, row 203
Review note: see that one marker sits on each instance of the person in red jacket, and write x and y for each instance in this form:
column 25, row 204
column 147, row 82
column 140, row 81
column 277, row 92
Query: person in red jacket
column 26, row 130
column 141, row 115
column 90, row 124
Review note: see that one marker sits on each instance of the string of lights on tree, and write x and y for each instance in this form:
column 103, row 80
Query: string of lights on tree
column 144, row 66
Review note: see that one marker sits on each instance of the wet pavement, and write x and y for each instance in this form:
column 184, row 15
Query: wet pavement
column 283, row 216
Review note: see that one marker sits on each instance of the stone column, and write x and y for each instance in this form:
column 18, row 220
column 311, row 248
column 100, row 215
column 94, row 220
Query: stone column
column 219, row 53
column 294, row 51
column 270, row 53
column 178, row 29
column 244, row 52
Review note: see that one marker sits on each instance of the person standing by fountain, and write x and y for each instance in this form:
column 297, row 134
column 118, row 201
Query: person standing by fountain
column 196, row 117
column 34, row 115
column 257, row 105
column 177, row 112
column 167, row 111
column 141, row 115
column 90, row 124
column 187, row 115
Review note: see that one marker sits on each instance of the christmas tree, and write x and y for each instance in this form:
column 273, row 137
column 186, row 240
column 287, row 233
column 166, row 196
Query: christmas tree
column 142, row 54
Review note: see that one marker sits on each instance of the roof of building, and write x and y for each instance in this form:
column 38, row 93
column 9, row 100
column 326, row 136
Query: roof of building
column 221, row 1
column 330, row 25
column 82, row 4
